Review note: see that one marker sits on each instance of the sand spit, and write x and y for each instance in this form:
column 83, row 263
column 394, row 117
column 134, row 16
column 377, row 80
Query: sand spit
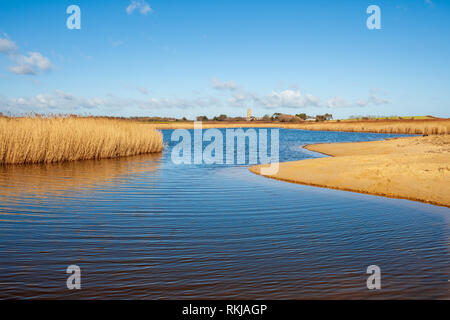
column 416, row 168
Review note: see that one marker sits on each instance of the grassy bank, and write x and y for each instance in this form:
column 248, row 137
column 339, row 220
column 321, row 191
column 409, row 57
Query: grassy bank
column 47, row 140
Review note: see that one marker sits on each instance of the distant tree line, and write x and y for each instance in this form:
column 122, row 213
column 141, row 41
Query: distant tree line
column 300, row 117
column 280, row 117
column 222, row 117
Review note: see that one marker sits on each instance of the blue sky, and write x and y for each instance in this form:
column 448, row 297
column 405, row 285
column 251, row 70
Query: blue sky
column 181, row 58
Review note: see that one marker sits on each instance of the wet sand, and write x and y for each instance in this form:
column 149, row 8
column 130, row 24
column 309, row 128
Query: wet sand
column 414, row 168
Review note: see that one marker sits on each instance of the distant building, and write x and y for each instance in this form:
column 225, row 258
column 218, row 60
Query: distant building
column 249, row 114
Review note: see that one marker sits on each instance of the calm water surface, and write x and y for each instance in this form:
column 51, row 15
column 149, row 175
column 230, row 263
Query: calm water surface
column 143, row 227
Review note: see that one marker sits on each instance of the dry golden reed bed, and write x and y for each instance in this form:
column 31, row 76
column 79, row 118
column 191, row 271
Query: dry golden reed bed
column 434, row 126
column 55, row 139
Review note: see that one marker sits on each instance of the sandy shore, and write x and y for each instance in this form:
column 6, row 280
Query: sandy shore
column 416, row 168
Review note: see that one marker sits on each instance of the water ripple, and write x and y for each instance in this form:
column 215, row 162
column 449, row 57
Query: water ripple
column 144, row 228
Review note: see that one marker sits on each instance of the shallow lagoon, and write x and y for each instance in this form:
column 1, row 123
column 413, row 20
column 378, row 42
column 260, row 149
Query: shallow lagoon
column 143, row 227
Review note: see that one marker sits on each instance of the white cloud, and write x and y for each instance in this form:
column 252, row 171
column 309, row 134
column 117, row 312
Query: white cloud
column 287, row 98
column 339, row 102
column 290, row 98
column 239, row 98
column 64, row 95
column 31, row 64
column 143, row 7
column 7, row 46
column 62, row 102
column 223, row 85
column 376, row 100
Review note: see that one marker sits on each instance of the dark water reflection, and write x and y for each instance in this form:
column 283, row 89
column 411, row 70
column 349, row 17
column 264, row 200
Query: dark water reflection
column 143, row 227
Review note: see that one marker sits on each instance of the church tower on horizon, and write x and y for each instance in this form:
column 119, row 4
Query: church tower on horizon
column 249, row 114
